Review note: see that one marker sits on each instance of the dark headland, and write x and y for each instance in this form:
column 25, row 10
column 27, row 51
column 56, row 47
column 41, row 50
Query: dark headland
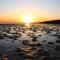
column 51, row 22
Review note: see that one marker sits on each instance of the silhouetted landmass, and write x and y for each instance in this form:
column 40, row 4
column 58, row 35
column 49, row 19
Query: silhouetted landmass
column 51, row 22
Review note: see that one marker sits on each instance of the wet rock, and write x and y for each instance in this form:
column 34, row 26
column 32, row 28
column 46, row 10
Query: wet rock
column 4, row 57
column 25, row 42
column 57, row 41
column 44, row 40
column 40, row 49
column 34, row 39
column 39, row 35
column 10, row 37
column 50, row 43
column 7, row 40
column 57, row 48
column 38, row 44
column 12, row 41
column 34, row 44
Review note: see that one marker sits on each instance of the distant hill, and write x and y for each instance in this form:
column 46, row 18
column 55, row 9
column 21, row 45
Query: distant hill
column 51, row 22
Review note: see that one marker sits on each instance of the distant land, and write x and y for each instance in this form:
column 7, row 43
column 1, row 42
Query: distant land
column 51, row 22
column 48, row 22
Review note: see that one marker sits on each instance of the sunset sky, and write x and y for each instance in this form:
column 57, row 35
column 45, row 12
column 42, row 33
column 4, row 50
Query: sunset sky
column 13, row 11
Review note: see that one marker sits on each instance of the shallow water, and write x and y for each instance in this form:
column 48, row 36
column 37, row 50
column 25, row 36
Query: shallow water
column 8, row 44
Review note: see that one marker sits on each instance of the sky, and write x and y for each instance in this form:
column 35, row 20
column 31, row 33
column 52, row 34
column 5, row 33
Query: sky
column 12, row 11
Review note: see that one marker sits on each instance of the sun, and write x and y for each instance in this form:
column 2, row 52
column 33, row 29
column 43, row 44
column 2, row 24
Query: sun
column 27, row 19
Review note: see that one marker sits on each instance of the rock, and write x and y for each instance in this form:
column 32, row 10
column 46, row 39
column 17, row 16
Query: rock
column 34, row 39
column 25, row 42
column 57, row 41
column 50, row 43
column 57, row 48
column 44, row 40
column 39, row 35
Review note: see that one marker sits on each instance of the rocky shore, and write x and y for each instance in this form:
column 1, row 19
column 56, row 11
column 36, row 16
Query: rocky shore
column 33, row 42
